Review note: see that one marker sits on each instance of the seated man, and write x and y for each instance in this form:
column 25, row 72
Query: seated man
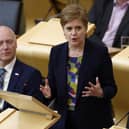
column 17, row 76
column 111, row 18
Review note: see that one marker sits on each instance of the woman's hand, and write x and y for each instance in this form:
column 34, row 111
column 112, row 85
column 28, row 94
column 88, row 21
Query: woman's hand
column 46, row 90
column 93, row 90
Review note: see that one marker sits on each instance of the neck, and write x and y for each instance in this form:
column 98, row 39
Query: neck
column 121, row 1
column 75, row 51
column 3, row 64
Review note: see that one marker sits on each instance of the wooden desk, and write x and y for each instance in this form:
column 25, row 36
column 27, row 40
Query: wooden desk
column 121, row 72
column 31, row 113
column 35, row 45
column 113, row 51
column 117, row 127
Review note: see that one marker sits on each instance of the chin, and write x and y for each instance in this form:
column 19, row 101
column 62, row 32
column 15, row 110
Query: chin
column 75, row 43
column 7, row 59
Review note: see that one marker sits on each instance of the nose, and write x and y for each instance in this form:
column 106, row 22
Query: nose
column 5, row 46
column 74, row 31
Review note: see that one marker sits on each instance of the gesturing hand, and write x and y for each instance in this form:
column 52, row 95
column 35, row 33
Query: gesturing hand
column 46, row 90
column 93, row 90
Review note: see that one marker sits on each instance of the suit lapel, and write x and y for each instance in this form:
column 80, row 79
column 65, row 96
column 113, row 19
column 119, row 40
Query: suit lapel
column 84, row 71
column 62, row 68
column 124, row 22
column 106, row 18
column 121, row 31
column 14, row 76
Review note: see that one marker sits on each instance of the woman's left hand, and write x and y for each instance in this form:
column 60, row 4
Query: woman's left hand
column 93, row 90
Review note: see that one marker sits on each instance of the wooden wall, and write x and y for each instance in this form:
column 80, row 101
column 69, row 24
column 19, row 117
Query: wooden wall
column 34, row 9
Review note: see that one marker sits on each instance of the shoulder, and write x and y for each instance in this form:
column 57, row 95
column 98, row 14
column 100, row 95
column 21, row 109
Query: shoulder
column 60, row 47
column 102, row 2
column 99, row 3
column 25, row 67
column 96, row 43
column 96, row 46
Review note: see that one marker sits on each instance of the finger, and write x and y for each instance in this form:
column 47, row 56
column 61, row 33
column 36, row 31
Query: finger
column 97, row 80
column 91, row 89
column 86, row 88
column 87, row 93
column 91, row 84
column 41, row 87
column 46, row 83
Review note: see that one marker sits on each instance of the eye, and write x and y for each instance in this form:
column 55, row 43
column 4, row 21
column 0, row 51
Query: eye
column 78, row 28
column 69, row 28
column 1, row 42
column 9, row 41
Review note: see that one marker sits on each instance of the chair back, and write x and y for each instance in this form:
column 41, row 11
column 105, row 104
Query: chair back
column 10, row 14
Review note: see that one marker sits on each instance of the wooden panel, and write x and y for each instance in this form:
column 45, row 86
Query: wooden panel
column 27, row 103
column 117, row 127
column 121, row 73
column 26, row 120
column 31, row 115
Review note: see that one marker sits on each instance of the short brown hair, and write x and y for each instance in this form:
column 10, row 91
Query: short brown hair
column 73, row 11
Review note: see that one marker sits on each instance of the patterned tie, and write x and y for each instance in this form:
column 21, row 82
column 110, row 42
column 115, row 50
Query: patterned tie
column 2, row 74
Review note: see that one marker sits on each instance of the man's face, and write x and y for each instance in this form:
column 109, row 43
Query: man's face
column 7, row 45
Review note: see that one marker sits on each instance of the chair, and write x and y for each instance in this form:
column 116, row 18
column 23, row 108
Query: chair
column 10, row 14
column 56, row 6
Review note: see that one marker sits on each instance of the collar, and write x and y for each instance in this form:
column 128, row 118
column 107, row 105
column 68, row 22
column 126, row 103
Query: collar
column 123, row 5
column 10, row 66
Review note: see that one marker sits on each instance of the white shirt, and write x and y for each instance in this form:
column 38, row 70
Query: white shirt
column 9, row 69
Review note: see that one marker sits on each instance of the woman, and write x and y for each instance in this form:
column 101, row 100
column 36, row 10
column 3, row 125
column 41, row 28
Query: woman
column 80, row 76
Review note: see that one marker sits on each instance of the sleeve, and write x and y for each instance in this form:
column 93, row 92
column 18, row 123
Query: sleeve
column 92, row 13
column 51, row 77
column 106, row 76
column 33, row 85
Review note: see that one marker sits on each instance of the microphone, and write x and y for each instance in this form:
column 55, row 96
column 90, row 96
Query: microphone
column 124, row 116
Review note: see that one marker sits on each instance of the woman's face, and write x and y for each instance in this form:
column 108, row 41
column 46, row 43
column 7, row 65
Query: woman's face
column 75, row 32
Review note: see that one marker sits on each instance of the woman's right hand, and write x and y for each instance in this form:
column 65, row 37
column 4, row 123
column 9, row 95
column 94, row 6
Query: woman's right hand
column 46, row 90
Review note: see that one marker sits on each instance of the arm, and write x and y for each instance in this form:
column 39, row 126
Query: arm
column 33, row 84
column 49, row 85
column 106, row 76
column 92, row 13
column 104, row 87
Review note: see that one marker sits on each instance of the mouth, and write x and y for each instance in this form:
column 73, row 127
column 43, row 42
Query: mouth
column 6, row 53
column 74, row 39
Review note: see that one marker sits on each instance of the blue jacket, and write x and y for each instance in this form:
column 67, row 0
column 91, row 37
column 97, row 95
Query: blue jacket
column 25, row 80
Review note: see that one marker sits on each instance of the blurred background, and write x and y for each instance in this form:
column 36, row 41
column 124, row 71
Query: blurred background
column 38, row 9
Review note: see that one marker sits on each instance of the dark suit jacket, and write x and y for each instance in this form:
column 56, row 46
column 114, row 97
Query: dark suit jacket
column 100, row 14
column 25, row 80
column 90, row 111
